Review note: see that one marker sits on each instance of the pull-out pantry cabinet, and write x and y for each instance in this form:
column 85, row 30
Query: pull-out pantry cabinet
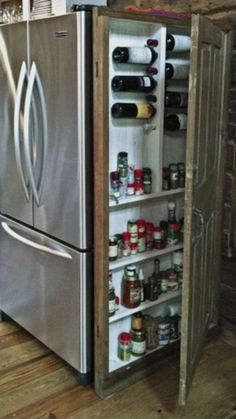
column 148, row 144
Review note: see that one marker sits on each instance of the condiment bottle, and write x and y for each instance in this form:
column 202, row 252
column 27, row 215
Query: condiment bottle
column 111, row 299
column 131, row 288
column 138, row 335
column 113, row 248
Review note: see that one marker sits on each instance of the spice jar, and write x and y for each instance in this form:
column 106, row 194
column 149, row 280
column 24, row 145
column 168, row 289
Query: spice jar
column 181, row 170
column 115, row 184
column 126, row 243
column 149, row 236
column 174, row 181
column 138, row 342
column 130, row 189
column 124, row 346
column 131, row 288
column 164, row 331
column 112, row 300
column 132, row 228
column 119, row 245
column 122, row 163
column 177, row 261
column 165, row 179
column 157, row 238
column 139, row 188
column 171, row 212
column 133, row 248
column 113, row 248
column 147, row 180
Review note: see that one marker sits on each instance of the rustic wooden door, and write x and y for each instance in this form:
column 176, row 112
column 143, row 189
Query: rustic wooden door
column 203, row 192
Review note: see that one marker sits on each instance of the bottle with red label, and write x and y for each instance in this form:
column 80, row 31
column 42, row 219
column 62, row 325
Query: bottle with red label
column 131, row 288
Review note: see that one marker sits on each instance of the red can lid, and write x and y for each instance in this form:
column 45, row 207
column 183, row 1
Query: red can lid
column 125, row 337
column 157, row 229
column 126, row 235
column 138, row 173
column 141, row 223
column 139, row 185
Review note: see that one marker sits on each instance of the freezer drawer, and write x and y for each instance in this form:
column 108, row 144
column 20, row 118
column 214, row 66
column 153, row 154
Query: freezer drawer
column 46, row 288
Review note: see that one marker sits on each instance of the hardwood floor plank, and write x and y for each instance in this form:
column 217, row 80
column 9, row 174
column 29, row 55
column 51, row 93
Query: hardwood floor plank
column 36, row 384
column 18, row 354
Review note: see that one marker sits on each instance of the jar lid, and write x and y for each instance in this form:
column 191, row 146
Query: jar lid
column 125, row 337
column 126, row 235
column 131, row 270
column 157, row 229
column 138, row 172
column 171, row 205
column 132, row 222
column 113, row 239
column 141, row 223
column 149, row 226
column 122, row 154
column 173, row 167
column 114, row 175
column 147, row 171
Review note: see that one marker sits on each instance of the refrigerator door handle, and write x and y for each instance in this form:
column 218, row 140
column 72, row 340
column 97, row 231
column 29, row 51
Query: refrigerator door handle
column 18, row 121
column 33, row 244
column 34, row 78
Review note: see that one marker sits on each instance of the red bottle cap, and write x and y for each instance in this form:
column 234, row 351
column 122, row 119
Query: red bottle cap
column 125, row 337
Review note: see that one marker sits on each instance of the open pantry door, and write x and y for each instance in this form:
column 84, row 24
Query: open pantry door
column 203, row 189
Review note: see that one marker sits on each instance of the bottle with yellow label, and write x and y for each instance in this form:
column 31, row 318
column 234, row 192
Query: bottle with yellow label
column 133, row 110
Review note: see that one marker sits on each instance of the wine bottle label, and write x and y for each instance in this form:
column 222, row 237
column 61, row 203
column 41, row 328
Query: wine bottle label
column 182, row 43
column 140, row 55
column 182, row 120
column 146, row 81
column 181, row 71
column 144, row 110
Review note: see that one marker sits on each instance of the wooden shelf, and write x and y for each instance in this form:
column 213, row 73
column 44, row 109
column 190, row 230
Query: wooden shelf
column 126, row 312
column 133, row 199
column 139, row 257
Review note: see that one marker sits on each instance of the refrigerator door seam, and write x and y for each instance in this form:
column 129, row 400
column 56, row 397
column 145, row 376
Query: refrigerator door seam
column 33, row 244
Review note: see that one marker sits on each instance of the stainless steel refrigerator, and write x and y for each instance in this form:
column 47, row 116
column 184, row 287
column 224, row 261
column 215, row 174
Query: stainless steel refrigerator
column 46, row 165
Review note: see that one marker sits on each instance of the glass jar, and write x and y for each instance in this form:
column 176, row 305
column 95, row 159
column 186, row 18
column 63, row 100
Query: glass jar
column 149, row 236
column 119, row 245
column 157, row 238
column 111, row 300
column 181, row 170
column 132, row 228
column 126, row 243
column 173, row 233
column 165, row 179
column 138, row 342
column 122, row 163
column 174, row 174
column 113, row 248
column 115, row 184
column 131, row 288
column 124, row 346
column 147, row 180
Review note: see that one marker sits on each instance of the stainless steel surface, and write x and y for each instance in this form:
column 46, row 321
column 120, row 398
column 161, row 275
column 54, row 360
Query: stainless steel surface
column 65, row 209
column 9, row 229
column 18, row 121
column 12, row 54
column 44, row 293
column 34, row 79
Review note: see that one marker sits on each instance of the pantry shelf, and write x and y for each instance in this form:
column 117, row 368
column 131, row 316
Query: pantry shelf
column 139, row 257
column 163, row 298
column 128, row 201
column 116, row 363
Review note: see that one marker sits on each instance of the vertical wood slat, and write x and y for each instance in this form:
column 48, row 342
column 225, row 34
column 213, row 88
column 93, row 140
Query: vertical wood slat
column 100, row 77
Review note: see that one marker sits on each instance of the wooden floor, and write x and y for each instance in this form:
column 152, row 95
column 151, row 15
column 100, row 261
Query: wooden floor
column 34, row 383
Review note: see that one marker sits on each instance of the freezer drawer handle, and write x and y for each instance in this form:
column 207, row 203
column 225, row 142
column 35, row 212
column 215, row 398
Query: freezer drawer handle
column 30, row 243
column 34, row 77
column 18, row 121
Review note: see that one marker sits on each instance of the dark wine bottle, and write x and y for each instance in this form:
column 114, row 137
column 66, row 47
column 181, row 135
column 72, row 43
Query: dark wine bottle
column 176, row 99
column 175, row 122
column 133, row 110
column 175, row 70
column 134, row 55
column 178, row 43
column 133, row 84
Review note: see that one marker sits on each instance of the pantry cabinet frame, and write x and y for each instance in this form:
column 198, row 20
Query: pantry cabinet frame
column 107, row 382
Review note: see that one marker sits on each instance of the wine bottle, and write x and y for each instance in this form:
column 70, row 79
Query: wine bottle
column 175, row 122
column 178, row 43
column 133, row 83
column 133, row 110
column 134, row 55
column 175, row 70
column 176, row 99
